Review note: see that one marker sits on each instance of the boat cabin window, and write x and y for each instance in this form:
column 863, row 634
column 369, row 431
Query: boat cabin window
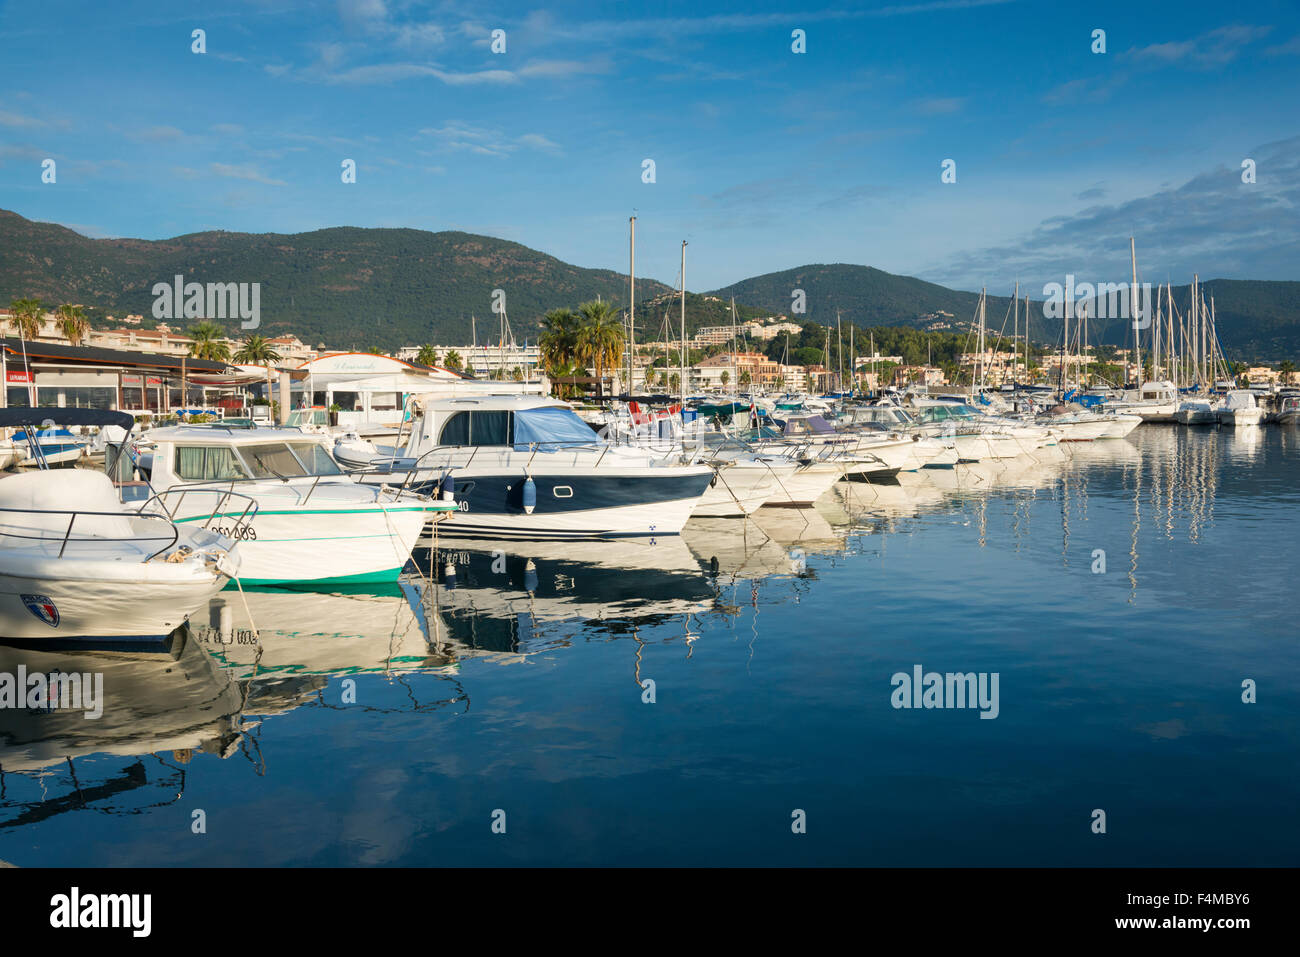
column 477, row 428
column 206, row 463
column 216, row 463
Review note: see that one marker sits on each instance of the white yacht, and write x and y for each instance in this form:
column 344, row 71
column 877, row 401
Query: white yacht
column 526, row 466
column 1240, row 410
column 76, row 563
column 314, row 524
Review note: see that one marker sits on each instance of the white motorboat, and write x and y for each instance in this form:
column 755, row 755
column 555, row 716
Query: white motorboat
column 865, row 455
column 1154, row 402
column 1120, row 424
column 811, row 480
column 529, row 467
column 977, row 437
column 743, row 484
column 1240, row 410
column 1289, row 412
column 46, row 445
column 77, row 563
column 314, row 524
column 1196, row 412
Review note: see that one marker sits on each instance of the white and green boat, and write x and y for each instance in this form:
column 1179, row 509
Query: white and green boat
column 313, row 525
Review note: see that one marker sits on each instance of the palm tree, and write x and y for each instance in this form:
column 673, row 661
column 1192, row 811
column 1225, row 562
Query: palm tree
column 258, row 351
column 453, row 361
column 745, row 378
column 600, row 337
column 558, row 343
column 1287, row 368
column 72, row 323
column 28, row 316
column 724, row 378
column 208, row 342
column 427, row 356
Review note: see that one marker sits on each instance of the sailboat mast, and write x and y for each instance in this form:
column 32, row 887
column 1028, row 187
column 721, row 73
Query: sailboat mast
column 853, row 361
column 682, row 382
column 735, row 359
column 1015, row 329
column 839, row 353
column 1133, row 306
column 631, row 309
column 1065, row 345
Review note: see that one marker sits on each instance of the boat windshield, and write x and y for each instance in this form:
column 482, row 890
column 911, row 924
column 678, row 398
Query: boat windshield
column 942, row 413
column 287, row 460
column 884, row 416
column 303, row 417
column 222, row 463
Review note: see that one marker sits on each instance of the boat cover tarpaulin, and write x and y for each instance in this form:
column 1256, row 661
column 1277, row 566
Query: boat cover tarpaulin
column 550, row 429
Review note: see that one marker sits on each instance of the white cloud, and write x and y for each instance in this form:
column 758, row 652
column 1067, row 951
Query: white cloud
column 246, row 173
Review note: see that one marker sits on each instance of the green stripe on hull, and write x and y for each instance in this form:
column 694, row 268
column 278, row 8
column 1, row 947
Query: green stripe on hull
column 366, row 578
column 375, row 510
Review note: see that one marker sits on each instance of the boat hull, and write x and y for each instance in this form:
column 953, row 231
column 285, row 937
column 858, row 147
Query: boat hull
column 95, row 604
column 321, row 546
column 591, row 503
column 1240, row 418
column 805, row 486
column 741, row 489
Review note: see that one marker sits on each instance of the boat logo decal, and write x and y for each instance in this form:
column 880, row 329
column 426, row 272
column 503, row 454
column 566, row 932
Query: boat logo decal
column 43, row 608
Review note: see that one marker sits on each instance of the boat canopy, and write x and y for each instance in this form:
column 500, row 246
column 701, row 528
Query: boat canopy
column 551, row 428
column 26, row 415
column 730, row 408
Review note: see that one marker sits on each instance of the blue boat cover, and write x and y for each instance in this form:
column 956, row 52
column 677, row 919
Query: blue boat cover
column 551, row 429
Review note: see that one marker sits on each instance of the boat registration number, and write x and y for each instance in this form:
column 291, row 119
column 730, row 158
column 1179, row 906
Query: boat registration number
column 237, row 533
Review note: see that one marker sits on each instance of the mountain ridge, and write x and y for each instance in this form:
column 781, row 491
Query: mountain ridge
column 352, row 287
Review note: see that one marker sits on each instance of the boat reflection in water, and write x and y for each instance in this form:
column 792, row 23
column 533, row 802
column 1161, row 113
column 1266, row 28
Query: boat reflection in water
column 521, row 597
column 161, row 704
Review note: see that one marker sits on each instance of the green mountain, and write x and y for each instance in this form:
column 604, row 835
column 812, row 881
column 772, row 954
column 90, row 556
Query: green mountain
column 1256, row 319
column 347, row 287
column 863, row 295
column 360, row 288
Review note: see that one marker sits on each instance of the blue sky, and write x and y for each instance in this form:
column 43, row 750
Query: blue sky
column 764, row 159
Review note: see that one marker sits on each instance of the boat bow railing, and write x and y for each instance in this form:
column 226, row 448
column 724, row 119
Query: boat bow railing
column 228, row 500
column 65, row 537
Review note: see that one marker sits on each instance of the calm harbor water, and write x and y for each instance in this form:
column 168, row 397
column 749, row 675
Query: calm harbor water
column 1122, row 591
